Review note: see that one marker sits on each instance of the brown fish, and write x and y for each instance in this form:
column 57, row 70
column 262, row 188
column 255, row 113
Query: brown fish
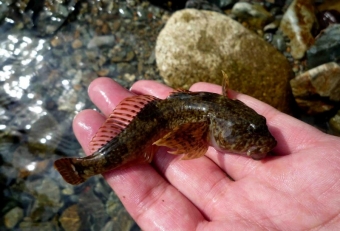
column 187, row 122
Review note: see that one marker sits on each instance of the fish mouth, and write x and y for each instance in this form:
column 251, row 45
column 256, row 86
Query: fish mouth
column 258, row 152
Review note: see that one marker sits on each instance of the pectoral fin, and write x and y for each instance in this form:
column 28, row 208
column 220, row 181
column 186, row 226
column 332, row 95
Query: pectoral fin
column 150, row 153
column 189, row 139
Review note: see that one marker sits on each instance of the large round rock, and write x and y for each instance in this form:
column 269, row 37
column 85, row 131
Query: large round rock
column 196, row 45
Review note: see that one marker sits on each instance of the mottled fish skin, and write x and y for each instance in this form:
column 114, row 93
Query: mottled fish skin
column 226, row 124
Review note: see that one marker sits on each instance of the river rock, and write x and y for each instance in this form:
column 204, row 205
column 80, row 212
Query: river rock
column 197, row 45
column 296, row 24
column 202, row 5
column 327, row 18
column 13, row 217
column 255, row 15
column 70, row 219
column 318, row 89
column 326, row 47
column 334, row 124
column 329, row 5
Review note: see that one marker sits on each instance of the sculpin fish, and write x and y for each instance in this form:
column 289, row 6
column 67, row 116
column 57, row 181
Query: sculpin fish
column 186, row 122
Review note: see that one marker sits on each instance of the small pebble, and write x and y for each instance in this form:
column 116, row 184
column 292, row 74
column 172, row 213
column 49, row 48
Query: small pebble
column 77, row 44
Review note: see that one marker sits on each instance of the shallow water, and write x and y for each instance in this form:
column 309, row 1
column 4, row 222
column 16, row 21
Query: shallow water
column 49, row 53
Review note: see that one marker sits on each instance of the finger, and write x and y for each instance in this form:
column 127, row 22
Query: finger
column 106, row 94
column 152, row 202
column 200, row 180
column 148, row 87
column 85, row 125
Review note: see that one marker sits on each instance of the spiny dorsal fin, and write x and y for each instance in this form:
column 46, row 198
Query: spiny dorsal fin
column 225, row 84
column 119, row 119
column 181, row 90
column 189, row 139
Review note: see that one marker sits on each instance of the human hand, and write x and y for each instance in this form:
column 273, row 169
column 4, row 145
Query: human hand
column 297, row 190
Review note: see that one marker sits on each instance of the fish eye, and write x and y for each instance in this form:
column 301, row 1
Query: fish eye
column 251, row 128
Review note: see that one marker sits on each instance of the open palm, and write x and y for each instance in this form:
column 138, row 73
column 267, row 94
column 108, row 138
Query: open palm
column 299, row 189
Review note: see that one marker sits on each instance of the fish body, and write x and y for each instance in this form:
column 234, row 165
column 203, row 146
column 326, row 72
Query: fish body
column 186, row 122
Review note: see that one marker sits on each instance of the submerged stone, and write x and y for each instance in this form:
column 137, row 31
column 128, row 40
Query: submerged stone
column 12, row 218
column 70, row 219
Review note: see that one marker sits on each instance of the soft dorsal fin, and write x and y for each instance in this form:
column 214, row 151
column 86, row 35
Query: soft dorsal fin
column 120, row 117
column 182, row 93
column 189, row 139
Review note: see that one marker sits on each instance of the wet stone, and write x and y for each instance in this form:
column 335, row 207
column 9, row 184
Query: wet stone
column 326, row 48
column 70, row 220
column 77, row 44
column 186, row 53
column 121, row 220
column 327, row 17
column 102, row 189
column 9, row 142
column 334, row 124
column 279, row 42
column 34, row 168
column 142, row 12
column 124, row 10
column 95, row 215
column 103, row 72
column 255, row 15
column 56, row 41
column 12, row 217
column 202, row 5
column 44, row 135
column 9, row 173
column 329, row 5
column 47, row 203
column 26, row 163
column 318, row 89
column 29, row 225
column 297, row 24
column 273, row 26
column 223, row 3
column 52, row 15
column 99, row 41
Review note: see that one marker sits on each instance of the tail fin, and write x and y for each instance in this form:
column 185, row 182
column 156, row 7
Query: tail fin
column 68, row 171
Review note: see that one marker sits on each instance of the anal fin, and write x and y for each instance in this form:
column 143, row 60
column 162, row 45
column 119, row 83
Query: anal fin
column 189, row 139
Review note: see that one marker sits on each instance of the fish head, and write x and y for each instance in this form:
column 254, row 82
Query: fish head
column 245, row 134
